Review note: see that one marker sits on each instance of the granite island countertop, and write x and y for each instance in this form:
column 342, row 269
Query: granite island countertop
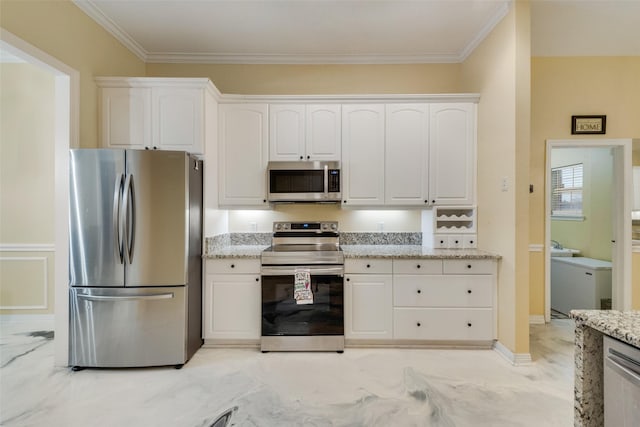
column 621, row 325
column 590, row 327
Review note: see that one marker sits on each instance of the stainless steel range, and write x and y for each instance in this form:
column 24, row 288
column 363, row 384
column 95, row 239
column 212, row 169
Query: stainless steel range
column 303, row 288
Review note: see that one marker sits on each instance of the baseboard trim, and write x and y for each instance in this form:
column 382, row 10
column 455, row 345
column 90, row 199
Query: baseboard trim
column 536, row 319
column 516, row 359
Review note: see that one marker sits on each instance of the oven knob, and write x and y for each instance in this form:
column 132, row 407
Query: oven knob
column 334, row 227
column 278, row 226
column 286, row 226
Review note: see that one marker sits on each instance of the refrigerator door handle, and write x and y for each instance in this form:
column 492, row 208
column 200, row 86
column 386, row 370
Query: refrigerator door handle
column 169, row 295
column 117, row 197
column 128, row 218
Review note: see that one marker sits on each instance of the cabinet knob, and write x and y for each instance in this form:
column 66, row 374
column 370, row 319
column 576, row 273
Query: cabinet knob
column 348, row 280
column 155, row 148
column 308, row 157
column 257, row 279
column 433, row 201
column 418, row 266
column 469, row 324
column 426, row 201
column 442, row 242
column 419, row 291
column 471, row 241
column 344, row 201
column 468, row 291
column 146, row 148
column 301, row 157
column 368, row 265
column 468, row 265
column 457, row 241
column 264, row 200
column 233, row 266
column 418, row 324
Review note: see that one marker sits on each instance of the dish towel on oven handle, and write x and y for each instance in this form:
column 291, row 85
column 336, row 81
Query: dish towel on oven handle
column 302, row 286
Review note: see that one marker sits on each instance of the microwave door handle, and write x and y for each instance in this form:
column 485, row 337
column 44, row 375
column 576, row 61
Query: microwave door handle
column 326, row 179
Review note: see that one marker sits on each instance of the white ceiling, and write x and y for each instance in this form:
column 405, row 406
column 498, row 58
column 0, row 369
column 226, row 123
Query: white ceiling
column 356, row 31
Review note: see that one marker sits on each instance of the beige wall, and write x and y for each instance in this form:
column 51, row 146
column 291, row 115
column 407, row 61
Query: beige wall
column 319, row 79
column 63, row 31
column 498, row 70
column 26, row 189
column 562, row 87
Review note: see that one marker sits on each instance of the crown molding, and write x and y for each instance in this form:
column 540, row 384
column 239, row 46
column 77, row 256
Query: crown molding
column 473, row 44
column 237, row 58
column 112, row 28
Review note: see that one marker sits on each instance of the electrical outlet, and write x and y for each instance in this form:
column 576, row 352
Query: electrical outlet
column 253, row 227
column 381, row 226
column 504, row 183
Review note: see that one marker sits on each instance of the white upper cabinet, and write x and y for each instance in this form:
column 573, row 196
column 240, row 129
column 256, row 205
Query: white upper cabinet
column 363, row 154
column 304, row 132
column 157, row 114
column 126, row 117
column 452, row 164
column 407, row 155
column 243, row 154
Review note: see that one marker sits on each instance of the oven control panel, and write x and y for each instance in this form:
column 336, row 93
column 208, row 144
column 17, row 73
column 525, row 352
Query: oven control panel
column 317, row 226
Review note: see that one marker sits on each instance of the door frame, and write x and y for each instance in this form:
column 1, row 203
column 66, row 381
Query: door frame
column 622, row 185
column 66, row 128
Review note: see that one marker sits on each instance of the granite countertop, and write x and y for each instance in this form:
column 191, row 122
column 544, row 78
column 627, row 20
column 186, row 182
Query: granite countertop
column 621, row 325
column 412, row 252
column 362, row 251
column 236, row 251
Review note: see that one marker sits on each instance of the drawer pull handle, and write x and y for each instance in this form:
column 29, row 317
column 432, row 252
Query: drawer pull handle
column 589, row 274
column 368, row 265
column 469, row 324
column 468, row 291
column 419, row 291
column 468, row 265
column 418, row 324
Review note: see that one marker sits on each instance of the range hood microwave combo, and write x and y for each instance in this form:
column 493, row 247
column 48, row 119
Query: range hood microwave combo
column 304, row 181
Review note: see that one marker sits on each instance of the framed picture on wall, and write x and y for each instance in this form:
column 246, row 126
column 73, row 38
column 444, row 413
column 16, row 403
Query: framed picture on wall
column 581, row 125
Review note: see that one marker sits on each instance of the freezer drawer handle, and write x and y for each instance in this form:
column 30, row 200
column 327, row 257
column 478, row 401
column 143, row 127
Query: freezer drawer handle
column 127, row 298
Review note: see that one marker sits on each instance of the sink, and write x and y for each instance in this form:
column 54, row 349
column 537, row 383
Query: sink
column 564, row 252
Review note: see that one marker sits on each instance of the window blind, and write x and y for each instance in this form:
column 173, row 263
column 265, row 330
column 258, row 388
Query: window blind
column 566, row 187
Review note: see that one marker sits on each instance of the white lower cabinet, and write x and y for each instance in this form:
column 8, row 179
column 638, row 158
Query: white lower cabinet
column 232, row 301
column 368, row 300
column 444, row 300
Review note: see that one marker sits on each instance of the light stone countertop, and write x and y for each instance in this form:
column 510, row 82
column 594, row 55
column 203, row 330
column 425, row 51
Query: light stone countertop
column 621, row 325
column 362, row 251
column 413, row 252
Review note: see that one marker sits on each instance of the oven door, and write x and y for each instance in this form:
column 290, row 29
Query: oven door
column 283, row 315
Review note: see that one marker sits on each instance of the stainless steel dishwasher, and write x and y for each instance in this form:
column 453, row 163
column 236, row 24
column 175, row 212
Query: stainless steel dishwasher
column 621, row 384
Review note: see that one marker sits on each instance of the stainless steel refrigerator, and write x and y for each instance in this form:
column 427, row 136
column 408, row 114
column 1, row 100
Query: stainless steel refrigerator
column 135, row 267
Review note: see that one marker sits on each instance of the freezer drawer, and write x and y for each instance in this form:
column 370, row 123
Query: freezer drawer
column 127, row 327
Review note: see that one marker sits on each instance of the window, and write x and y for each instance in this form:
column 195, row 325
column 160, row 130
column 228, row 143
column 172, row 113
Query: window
column 566, row 191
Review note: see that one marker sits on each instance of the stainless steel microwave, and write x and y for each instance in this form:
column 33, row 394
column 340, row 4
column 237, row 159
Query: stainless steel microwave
column 304, row 181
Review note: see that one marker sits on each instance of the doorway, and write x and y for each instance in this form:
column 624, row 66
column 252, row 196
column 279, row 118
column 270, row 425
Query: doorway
column 597, row 230
column 66, row 130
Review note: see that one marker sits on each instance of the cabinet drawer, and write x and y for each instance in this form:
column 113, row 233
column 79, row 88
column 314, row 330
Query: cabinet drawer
column 417, row 266
column 469, row 266
column 437, row 324
column 368, row 266
column 443, row 291
column 233, row 266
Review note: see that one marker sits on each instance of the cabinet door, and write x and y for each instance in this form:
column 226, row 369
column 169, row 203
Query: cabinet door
column 452, row 130
column 178, row 119
column 368, row 306
column 406, row 176
column 126, row 117
column 363, row 154
column 287, row 132
column 232, row 307
column 244, row 154
column 323, row 132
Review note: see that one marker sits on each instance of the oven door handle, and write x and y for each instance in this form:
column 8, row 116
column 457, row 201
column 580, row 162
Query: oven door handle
column 287, row 270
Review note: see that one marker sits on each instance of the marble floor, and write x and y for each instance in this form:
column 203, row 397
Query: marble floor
column 362, row 387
